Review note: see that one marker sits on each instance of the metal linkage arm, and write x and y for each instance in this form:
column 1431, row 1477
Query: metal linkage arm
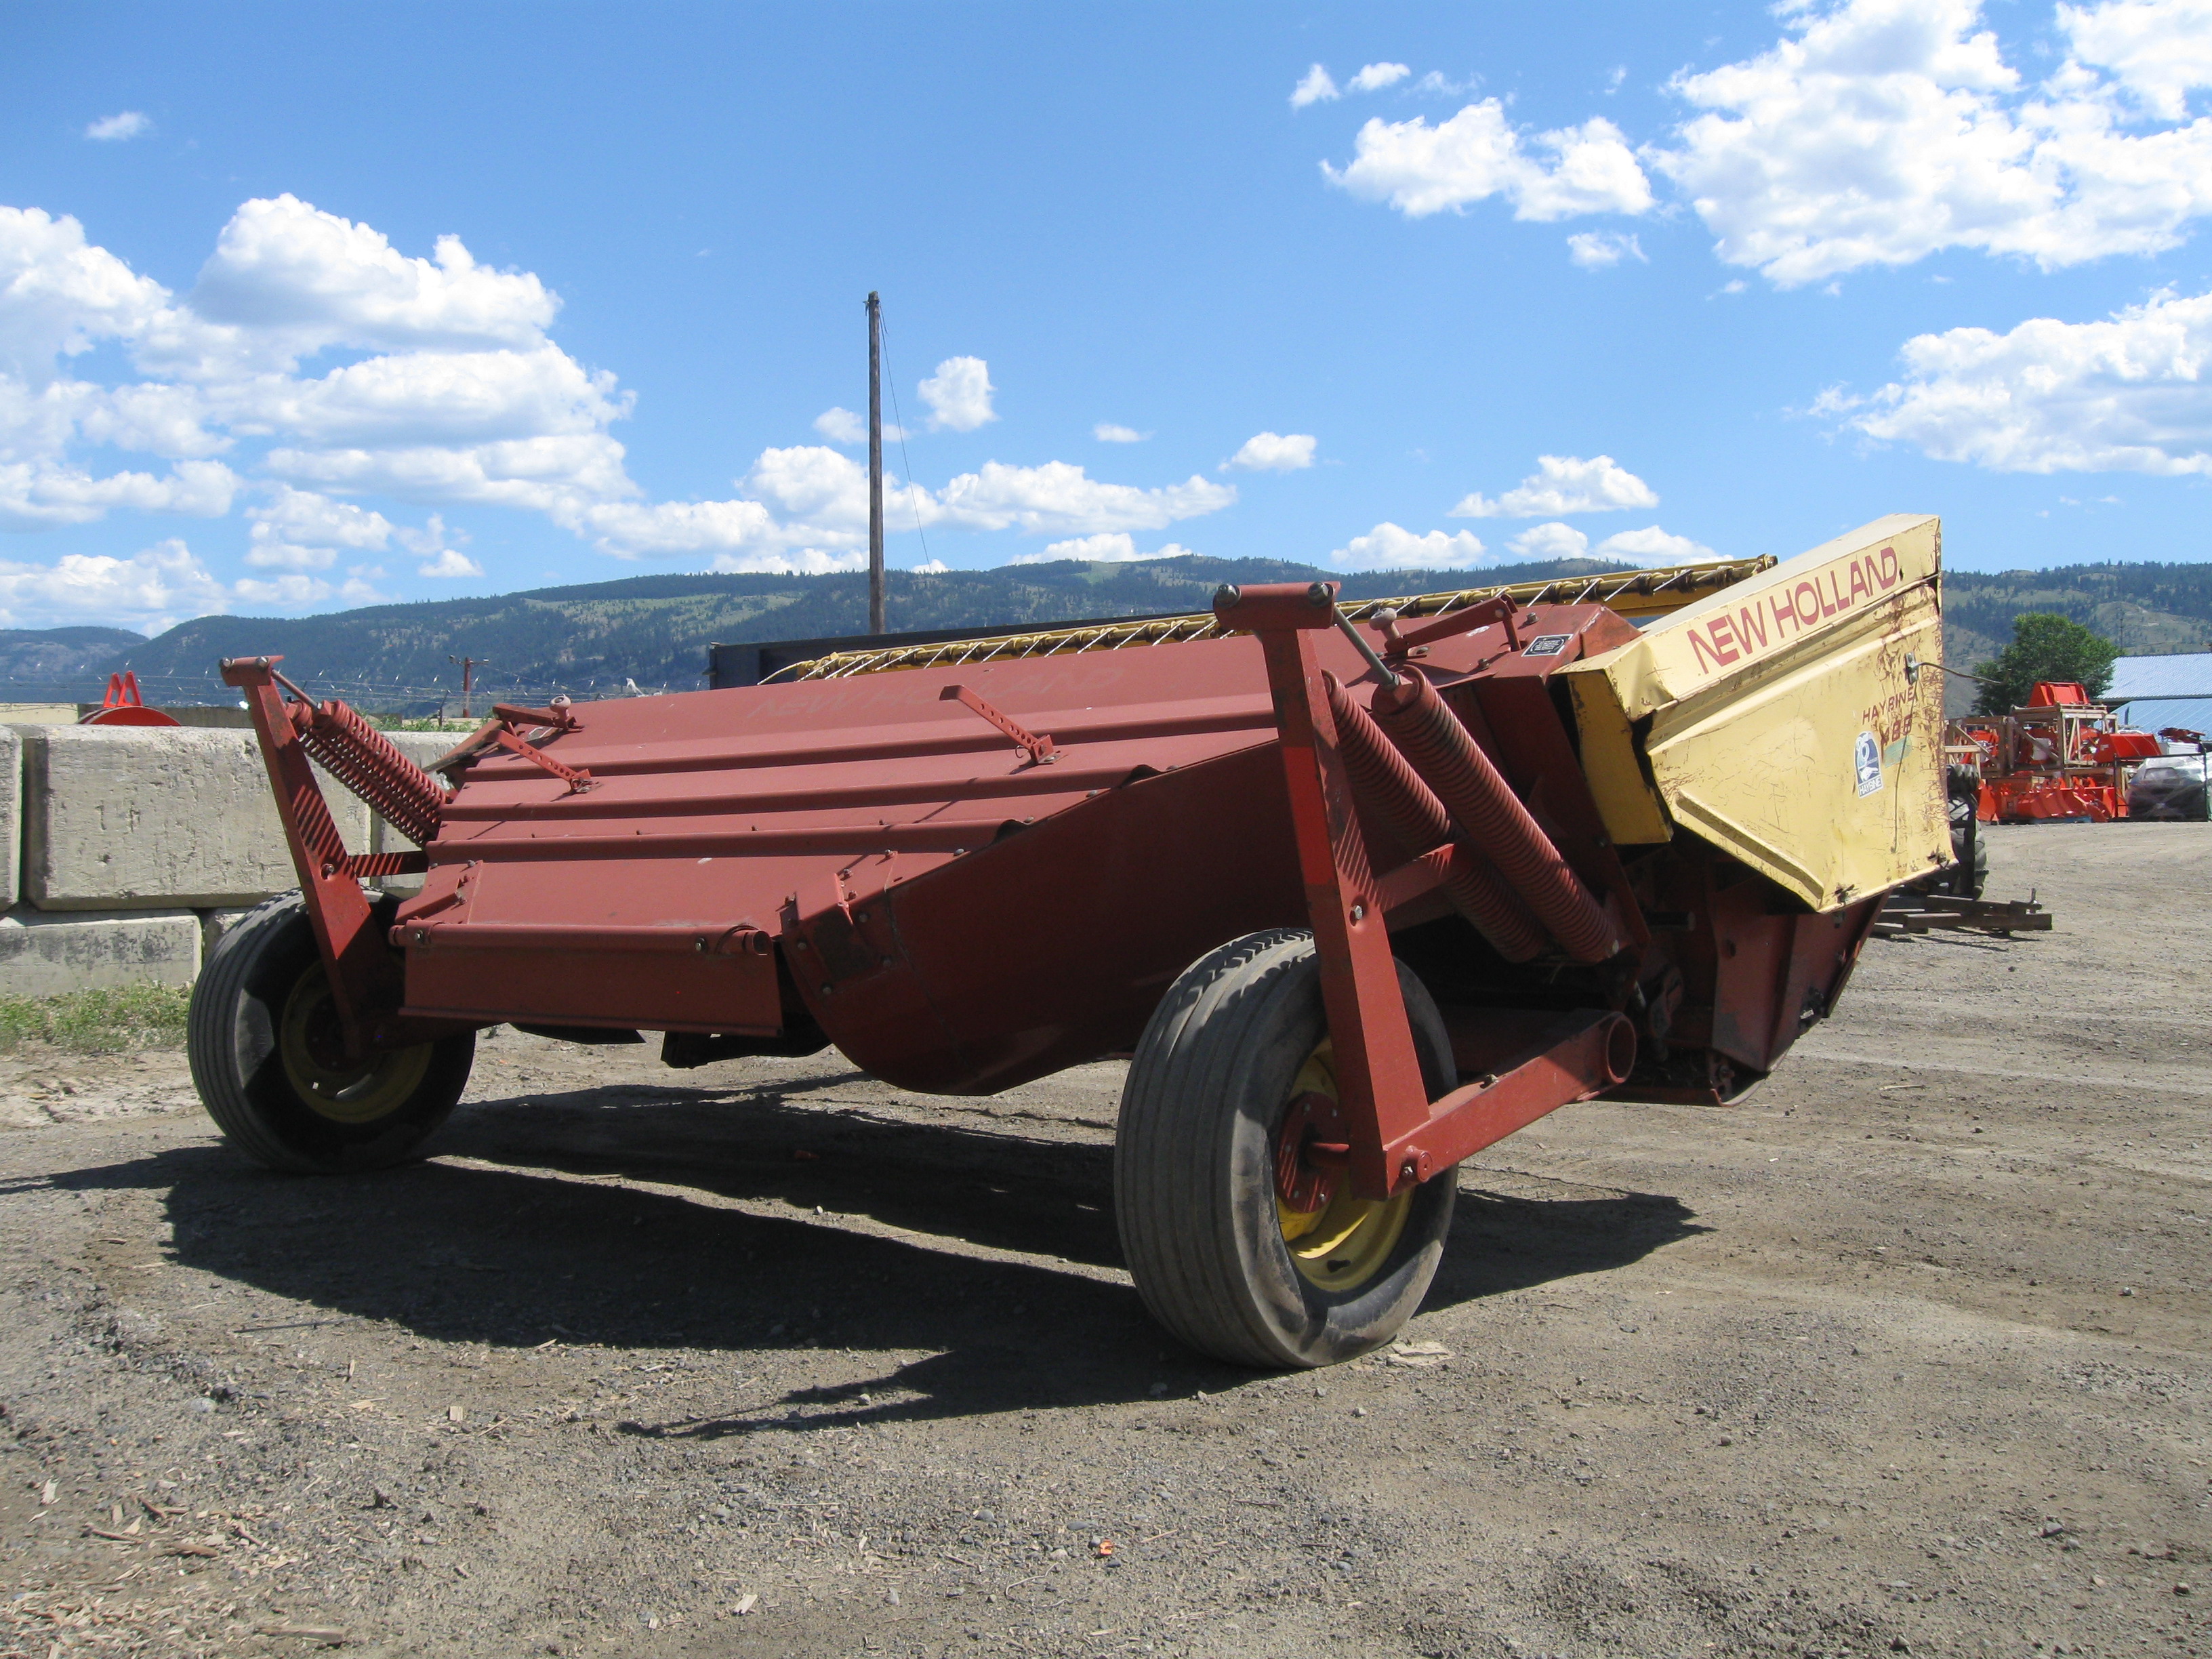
column 1378, row 1075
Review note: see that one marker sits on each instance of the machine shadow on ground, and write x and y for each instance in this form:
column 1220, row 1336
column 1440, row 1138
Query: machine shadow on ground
column 524, row 1250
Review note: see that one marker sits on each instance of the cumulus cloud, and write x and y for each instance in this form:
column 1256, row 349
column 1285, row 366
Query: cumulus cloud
column 2159, row 50
column 129, row 124
column 1107, row 433
column 931, row 568
column 1564, row 483
column 1420, row 169
column 842, row 426
column 1376, row 77
column 1273, row 452
column 2128, row 393
column 1653, row 546
column 1115, row 547
column 314, row 366
column 451, row 562
column 1879, row 131
column 1871, row 133
column 959, row 395
column 1060, row 498
column 1550, row 541
column 1594, row 249
column 1388, row 547
column 1317, row 88
column 149, row 591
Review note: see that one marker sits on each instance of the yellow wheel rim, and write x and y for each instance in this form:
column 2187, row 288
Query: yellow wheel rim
column 313, row 1045
column 1346, row 1242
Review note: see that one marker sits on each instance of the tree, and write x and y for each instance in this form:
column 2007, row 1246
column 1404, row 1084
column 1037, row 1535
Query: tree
column 2044, row 646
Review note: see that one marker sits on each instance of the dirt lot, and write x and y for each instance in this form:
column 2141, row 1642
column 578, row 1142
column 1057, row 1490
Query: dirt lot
column 1909, row 1353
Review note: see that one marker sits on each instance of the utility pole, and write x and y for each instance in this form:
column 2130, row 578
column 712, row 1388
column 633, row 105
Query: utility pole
column 875, row 464
column 468, row 665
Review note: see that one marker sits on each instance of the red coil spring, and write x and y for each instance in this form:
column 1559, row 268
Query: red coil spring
column 1448, row 760
column 363, row 759
column 1380, row 777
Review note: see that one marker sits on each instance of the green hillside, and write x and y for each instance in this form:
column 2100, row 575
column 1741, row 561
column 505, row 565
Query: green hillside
column 588, row 640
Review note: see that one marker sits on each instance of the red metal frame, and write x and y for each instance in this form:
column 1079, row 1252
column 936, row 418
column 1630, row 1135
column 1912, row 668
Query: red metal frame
column 366, row 976
column 1396, row 1135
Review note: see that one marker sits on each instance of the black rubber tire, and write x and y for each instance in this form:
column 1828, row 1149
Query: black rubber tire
column 232, row 1040
column 1193, row 1182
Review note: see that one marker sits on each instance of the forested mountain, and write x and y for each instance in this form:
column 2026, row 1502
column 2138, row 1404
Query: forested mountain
column 655, row 629
column 588, row 640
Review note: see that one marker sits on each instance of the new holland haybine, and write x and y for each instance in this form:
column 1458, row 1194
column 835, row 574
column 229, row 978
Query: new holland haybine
column 1362, row 889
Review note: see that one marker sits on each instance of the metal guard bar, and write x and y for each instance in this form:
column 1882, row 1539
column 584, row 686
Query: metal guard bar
column 1631, row 593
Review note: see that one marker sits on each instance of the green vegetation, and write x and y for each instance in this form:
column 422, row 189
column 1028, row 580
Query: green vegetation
column 99, row 1022
column 2044, row 646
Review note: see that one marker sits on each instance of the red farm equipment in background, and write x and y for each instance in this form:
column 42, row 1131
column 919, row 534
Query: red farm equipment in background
column 2060, row 757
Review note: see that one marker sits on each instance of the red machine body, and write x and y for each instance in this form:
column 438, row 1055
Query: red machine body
column 968, row 877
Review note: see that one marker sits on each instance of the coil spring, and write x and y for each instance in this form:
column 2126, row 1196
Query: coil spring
column 1383, row 777
column 1448, row 760
column 363, row 759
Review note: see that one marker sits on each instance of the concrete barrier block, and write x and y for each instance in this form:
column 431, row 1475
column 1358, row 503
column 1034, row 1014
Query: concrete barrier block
column 45, row 953
column 214, row 924
column 12, row 817
column 120, row 818
column 422, row 748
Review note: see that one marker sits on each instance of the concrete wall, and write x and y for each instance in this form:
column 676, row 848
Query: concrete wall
column 126, row 852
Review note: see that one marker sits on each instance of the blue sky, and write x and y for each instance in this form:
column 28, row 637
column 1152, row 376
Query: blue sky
column 301, row 307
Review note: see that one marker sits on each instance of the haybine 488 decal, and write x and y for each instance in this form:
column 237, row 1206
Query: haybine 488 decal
column 1767, row 621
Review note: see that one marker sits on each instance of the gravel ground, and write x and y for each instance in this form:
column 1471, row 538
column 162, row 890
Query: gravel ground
column 1906, row 1354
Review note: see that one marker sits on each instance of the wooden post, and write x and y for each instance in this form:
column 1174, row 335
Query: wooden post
column 876, row 624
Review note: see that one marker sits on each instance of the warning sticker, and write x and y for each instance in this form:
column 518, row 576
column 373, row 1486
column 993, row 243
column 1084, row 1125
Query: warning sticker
column 1868, row 759
column 1548, row 645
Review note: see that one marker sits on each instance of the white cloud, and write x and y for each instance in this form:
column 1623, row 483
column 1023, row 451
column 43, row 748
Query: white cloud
column 1273, row 452
column 1376, row 77
column 1594, row 249
column 1564, row 483
column 40, row 496
column 265, row 552
column 301, row 515
column 1110, row 547
column 2130, row 393
column 130, row 123
column 438, row 384
column 1550, row 541
column 1879, row 131
column 451, row 562
column 1107, row 433
column 149, row 591
column 1653, row 546
column 1317, row 89
column 1059, row 497
column 1388, row 547
column 2160, row 50
column 842, row 426
column 1420, row 169
column 959, row 395
column 931, row 568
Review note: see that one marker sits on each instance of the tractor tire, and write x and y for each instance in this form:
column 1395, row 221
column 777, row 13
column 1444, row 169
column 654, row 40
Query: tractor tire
column 1218, row 1257
column 261, row 1037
